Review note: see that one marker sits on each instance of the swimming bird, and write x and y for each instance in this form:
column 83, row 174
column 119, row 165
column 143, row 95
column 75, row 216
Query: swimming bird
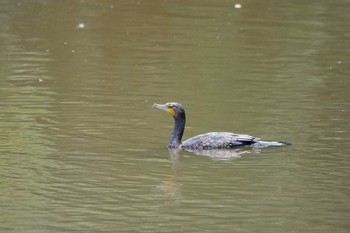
column 207, row 141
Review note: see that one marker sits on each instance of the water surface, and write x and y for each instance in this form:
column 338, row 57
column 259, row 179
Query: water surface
column 81, row 149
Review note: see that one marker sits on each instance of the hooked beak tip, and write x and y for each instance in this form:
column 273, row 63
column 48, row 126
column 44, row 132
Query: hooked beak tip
column 160, row 106
column 155, row 105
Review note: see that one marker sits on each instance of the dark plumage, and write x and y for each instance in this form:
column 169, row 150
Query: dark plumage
column 208, row 141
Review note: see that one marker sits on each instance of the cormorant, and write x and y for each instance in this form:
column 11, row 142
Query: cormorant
column 208, row 141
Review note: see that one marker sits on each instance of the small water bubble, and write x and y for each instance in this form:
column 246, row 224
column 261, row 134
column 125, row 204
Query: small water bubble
column 238, row 6
column 339, row 62
column 81, row 25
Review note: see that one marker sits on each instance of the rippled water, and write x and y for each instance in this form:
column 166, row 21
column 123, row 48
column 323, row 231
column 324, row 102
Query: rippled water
column 81, row 149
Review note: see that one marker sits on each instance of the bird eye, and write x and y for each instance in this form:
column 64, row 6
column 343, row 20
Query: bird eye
column 170, row 106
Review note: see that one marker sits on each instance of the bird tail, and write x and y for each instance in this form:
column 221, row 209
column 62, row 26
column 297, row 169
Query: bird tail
column 270, row 144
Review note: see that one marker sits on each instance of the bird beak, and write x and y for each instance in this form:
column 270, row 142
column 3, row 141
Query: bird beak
column 160, row 106
column 164, row 107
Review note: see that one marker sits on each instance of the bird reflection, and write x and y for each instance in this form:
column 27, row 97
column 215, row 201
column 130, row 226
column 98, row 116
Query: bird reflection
column 170, row 189
column 218, row 154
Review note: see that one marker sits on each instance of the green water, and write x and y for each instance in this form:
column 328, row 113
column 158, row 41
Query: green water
column 81, row 149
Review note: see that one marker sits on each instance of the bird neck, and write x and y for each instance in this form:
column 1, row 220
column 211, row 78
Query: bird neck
column 179, row 128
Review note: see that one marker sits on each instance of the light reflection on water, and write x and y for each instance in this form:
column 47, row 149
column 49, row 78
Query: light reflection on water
column 82, row 149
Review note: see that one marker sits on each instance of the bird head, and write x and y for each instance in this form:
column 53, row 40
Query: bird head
column 172, row 108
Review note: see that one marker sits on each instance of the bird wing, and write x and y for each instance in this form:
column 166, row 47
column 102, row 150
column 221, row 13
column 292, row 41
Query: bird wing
column 218, row 140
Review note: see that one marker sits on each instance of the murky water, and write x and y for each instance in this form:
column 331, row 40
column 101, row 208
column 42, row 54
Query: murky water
column 81, row 149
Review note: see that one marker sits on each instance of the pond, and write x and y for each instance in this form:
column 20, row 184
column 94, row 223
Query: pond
column 82, row 149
